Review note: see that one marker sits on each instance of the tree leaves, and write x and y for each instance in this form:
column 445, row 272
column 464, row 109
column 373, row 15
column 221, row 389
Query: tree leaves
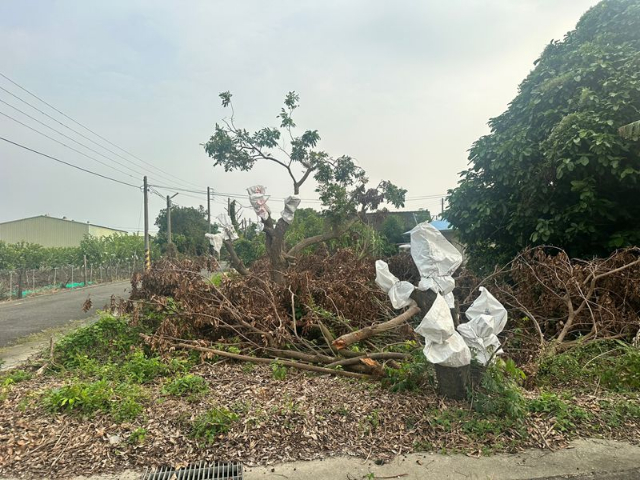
column 560, row 129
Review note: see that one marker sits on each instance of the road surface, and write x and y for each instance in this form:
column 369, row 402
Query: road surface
column 20, row 318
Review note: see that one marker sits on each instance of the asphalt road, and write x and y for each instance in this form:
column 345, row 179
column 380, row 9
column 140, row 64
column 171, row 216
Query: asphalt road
column 20, row 318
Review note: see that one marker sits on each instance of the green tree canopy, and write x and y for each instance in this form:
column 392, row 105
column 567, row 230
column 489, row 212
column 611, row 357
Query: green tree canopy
column 341, row 184
column 554, row 169
column 188, row 226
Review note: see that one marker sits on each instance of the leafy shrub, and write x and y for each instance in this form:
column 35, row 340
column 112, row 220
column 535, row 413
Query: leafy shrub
column 613, row 365
column 412, row 374
column 500, row 393
column 110, row 338
column 212, row 423
column 186, row 385
column 139, row 368
column 122, row 402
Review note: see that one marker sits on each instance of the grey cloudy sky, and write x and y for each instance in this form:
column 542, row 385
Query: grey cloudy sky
column 404, row 87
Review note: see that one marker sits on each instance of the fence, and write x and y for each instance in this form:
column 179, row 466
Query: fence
column 16, row 284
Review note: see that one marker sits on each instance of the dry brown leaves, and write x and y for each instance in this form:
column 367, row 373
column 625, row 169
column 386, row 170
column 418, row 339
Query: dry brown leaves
column 300, row 418
column 336, row 289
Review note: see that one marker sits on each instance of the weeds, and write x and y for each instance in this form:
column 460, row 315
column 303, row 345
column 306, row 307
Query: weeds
column 122, row 402
column 612, row 365
column 566, row 416
column 14, row 376
column 109, row 339
column 187, row 385
column 500, row 393
column 137, row 436
column 412, row 374
column 212, row 423
column 279, row 371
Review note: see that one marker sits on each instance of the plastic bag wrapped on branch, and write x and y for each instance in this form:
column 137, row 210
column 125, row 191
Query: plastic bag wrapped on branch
column 436, row 259
column 258, row 199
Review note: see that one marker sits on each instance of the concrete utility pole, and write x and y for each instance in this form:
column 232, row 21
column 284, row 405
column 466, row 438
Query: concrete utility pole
column 84, row 258
column 169, row 217
column 147, row 253
column 209, row 208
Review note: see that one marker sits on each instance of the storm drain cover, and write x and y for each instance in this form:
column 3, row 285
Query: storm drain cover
column 198, row 471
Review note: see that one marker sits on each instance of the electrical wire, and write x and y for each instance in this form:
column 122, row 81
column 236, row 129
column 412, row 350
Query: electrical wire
column 137, row 172
column 65, row 145
column 87, row 129
column 68, row 164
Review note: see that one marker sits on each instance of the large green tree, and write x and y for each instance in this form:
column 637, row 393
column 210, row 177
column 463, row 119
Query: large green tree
column 340, row 183
column 188, row 226
column 554, row 169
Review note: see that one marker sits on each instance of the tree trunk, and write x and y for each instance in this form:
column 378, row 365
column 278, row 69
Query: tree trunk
column 275, row 245
column 453, row 382
column 235, row 260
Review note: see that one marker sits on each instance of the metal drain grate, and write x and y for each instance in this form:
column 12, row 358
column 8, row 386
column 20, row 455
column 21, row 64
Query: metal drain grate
column 198, row 471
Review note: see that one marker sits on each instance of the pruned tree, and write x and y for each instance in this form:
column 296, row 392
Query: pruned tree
column 340, row 183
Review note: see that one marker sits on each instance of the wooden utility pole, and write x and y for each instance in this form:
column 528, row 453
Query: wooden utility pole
column 168, row 220
column 147, row 253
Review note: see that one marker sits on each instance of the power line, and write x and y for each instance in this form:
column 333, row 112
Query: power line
column 86, row 128
column 138, row 172
column 65, row 145
column 68, row 164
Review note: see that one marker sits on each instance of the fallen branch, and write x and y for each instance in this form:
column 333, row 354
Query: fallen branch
column 370, row 331
column 286, row 363
column 373, row 356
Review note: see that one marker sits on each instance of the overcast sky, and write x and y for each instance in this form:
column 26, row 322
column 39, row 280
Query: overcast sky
column 404, row 87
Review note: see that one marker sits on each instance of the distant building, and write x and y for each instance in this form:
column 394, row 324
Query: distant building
column 51, row 232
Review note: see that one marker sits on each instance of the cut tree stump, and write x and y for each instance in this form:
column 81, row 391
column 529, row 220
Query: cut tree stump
column 453, row 382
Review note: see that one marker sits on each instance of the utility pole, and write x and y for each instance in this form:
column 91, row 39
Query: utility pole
column 168, row 219
column 84, row 258
column 147, row 253
column 209, row 208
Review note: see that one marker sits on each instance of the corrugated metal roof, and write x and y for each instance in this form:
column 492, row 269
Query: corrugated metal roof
column 62, row 220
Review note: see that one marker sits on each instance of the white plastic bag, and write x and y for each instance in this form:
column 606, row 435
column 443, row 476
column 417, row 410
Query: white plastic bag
column 384, row 278
column 481, row 326
column 432, row 253
column 437, row 324
column 487, row 318
column 399, row 292
column 436, row 260
column 400, row 295
column 453, row 352
column 215, row 240
column 290, row 206
column 487, row 304
column 258, row 199
column 483, row 349
column 228, row 230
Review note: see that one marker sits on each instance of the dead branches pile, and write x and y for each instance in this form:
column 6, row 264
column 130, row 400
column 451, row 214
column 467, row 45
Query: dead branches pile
column 309, row 321
column 571, row 301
